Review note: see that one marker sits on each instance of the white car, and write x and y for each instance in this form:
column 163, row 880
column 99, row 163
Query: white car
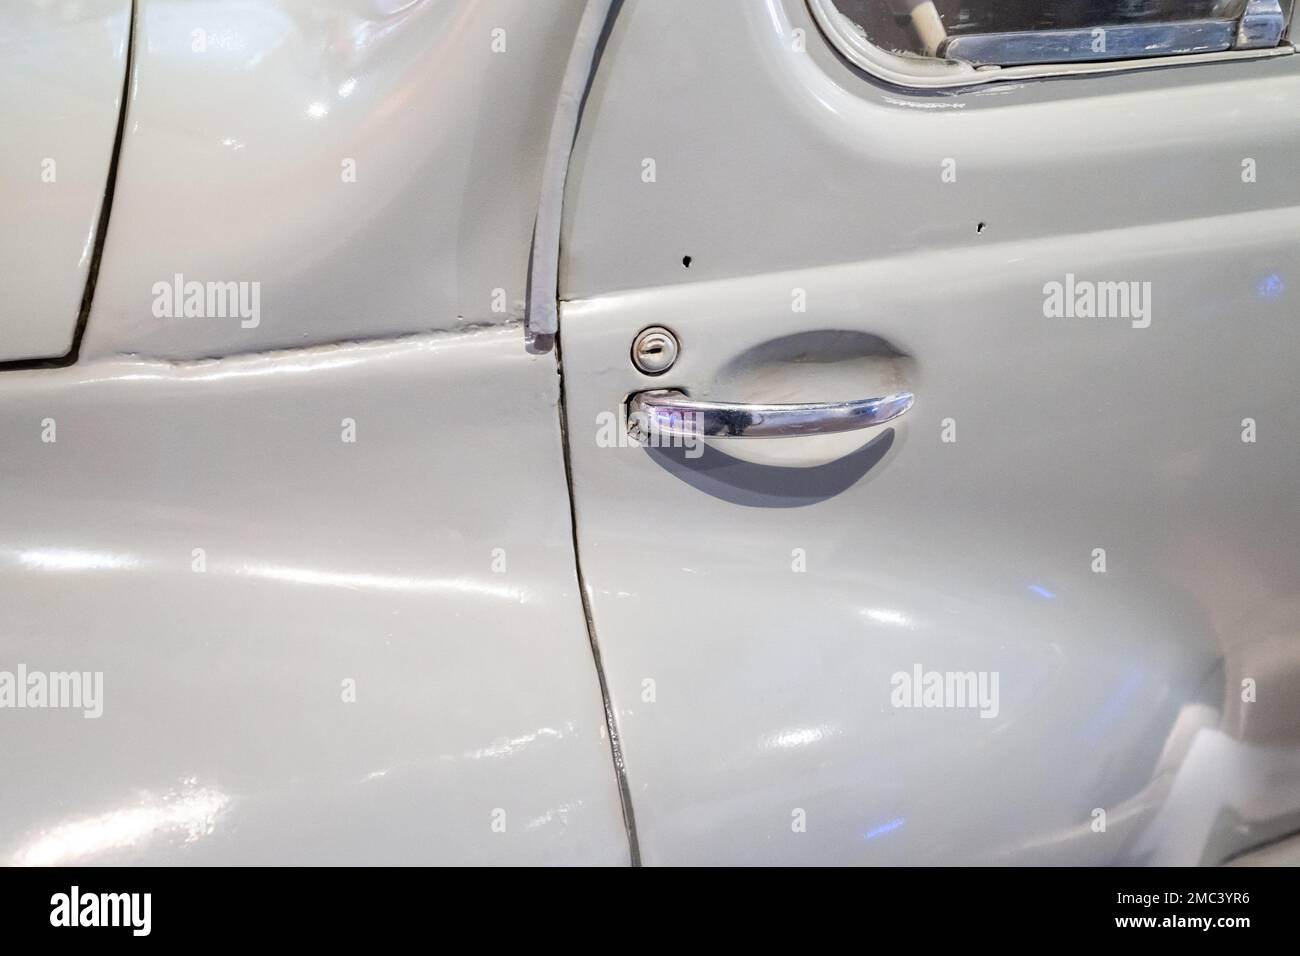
column 651, row 432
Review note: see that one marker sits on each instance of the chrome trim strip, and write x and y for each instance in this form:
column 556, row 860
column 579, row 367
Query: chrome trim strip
column 542, row 317
column 1261, row 25
column 1117, row 42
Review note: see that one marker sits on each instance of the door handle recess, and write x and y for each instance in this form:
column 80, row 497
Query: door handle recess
column 669, row 412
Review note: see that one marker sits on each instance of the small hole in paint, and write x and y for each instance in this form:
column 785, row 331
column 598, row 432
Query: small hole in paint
column 979, row 228
column 686, row 261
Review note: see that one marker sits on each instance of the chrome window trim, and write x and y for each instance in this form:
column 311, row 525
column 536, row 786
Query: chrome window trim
column 925, row 73
column 1128, row 41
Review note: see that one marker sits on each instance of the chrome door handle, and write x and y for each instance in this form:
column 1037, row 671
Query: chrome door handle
column 670, row 412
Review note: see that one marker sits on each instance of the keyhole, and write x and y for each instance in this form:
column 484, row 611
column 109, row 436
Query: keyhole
column 654, row 351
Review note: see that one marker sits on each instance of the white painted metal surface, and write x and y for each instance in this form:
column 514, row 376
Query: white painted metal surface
column 203, row 536
column 61, row 72
column 373, row 164
column 329, row 586
column 330, row 592
column 752, row 618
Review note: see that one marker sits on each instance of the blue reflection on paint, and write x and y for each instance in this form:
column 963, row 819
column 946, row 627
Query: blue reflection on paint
column 1122, row 696
column 889, row 826
column 1270, row 287
column 1042, row 592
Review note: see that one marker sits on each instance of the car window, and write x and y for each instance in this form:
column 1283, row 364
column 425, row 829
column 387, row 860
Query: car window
column 1008, row 33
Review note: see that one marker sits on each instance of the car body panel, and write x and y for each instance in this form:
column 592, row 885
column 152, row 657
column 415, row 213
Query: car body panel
column 373, row 165
column 202, row 535
column 752, row 614
column 328, row 585
column 62, row 68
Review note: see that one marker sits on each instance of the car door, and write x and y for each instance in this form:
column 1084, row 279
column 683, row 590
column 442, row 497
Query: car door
column 1050, row 613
